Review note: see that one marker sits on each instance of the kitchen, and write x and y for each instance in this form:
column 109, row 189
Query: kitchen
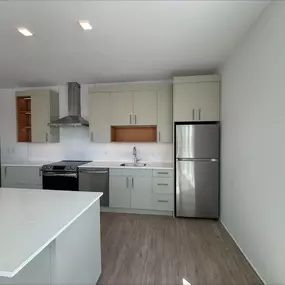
column 155, row 144
column 148, row 122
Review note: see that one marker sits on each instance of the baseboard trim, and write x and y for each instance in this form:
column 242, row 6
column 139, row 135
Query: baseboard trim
column 246, row 257
column 136, row 211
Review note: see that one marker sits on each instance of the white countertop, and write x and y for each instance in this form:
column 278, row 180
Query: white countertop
column 98, row 164
column 31, row 219
column 26, row 163
column 116, row 164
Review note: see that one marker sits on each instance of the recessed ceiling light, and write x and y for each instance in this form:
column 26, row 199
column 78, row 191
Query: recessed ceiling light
column 85, row 25
column 25, row 32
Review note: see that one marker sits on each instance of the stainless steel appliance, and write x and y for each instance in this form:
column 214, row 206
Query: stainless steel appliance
column 74, row 118
column 95, row 180
column 197, row 154
column 0, row 165
column 62, row 175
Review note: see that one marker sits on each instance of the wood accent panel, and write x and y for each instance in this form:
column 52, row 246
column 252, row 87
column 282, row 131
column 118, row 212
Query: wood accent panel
column 23, row 105
column 133, row 134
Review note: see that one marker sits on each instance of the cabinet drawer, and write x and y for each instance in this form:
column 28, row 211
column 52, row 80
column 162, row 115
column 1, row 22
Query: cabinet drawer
column 162, row 185
column 164, row 202
column 139, row 172
column 130, row 172
column 115, row 172
column 162, row 173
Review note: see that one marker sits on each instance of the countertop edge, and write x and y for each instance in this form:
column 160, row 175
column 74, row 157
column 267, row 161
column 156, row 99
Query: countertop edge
column 32, row 164
column 107, row 164
column 103, row 165
column 11, row 274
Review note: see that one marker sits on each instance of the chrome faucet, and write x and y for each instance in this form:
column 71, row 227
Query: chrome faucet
column 135, row 155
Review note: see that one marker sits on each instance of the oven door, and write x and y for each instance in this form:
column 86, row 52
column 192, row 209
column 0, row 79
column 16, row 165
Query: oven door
column 60, row 181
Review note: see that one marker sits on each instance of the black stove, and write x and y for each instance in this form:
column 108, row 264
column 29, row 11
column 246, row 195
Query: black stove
column 62, row 175
column 64, row 165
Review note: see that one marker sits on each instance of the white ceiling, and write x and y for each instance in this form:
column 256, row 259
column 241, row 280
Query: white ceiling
column 130, row 40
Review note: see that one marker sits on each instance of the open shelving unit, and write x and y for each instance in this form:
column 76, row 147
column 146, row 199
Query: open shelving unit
column 24, row 119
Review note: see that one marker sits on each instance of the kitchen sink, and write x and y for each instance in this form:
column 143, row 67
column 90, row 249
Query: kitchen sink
column 133, row 164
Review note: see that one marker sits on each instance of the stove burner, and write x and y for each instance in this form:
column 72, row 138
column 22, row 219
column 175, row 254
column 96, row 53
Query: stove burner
column 65, row 165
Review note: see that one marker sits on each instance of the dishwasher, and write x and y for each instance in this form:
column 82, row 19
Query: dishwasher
column 95, row 180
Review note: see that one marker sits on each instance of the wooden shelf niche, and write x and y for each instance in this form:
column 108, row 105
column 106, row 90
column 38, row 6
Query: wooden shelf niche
column 24, row 119
column 133, row 134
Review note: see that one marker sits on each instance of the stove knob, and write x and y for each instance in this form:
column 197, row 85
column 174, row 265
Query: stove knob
column 73, row 168
column 68, row 168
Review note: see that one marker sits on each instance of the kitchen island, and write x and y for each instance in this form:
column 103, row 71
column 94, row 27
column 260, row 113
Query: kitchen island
column 49, row 237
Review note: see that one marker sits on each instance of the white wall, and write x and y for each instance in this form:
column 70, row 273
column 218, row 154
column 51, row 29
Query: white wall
column 253, row 145
column 74, row 142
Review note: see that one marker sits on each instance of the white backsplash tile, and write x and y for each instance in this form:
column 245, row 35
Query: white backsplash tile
column 75, row 145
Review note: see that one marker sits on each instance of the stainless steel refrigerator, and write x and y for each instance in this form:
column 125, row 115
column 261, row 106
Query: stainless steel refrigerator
column 197, row 152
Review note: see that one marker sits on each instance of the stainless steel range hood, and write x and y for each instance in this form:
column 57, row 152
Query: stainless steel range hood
column 74, row 118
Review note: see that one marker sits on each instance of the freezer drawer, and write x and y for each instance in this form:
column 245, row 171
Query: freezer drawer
column 197, row 188
column 200, row 141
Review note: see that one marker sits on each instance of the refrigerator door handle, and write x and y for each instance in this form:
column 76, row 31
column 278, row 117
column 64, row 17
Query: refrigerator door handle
column 197, row 159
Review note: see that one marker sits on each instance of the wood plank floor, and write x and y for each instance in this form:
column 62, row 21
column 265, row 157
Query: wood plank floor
column 141, row 249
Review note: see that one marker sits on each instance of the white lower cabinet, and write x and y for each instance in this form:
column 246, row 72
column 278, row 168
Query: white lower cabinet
column 21, row 177
column 142, row 189
column 163, row 202
column 162, row 185
column 141, row 192
column 120, row 192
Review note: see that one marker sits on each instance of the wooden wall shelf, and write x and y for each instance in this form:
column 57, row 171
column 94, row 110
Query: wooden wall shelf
column 24, row 119
column 133, row 134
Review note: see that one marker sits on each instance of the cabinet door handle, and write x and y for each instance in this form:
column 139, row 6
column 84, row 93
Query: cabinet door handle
column 127, row 182
column 92, row 138
column 162, row 201
column 5, row 171
column 135, row 119
column 133, row 182
column 46, row 137
column 199, row 114
column 130, row 119
column 162, row 184
column 162, row 172
column 40, row 172
column 159, row 136
column 193, row 114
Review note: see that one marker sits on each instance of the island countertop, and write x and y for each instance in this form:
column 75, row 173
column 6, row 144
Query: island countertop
column 30, row 219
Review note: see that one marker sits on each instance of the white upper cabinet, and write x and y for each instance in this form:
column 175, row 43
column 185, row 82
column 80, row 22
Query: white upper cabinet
column 145, row 108
column 209, row 101
column 196, row 98
column 165, row 118
column 121, row 110
column 99, row 117
column 184, row 102
column 137, row 104
column 40, row 118
column 44, row 109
